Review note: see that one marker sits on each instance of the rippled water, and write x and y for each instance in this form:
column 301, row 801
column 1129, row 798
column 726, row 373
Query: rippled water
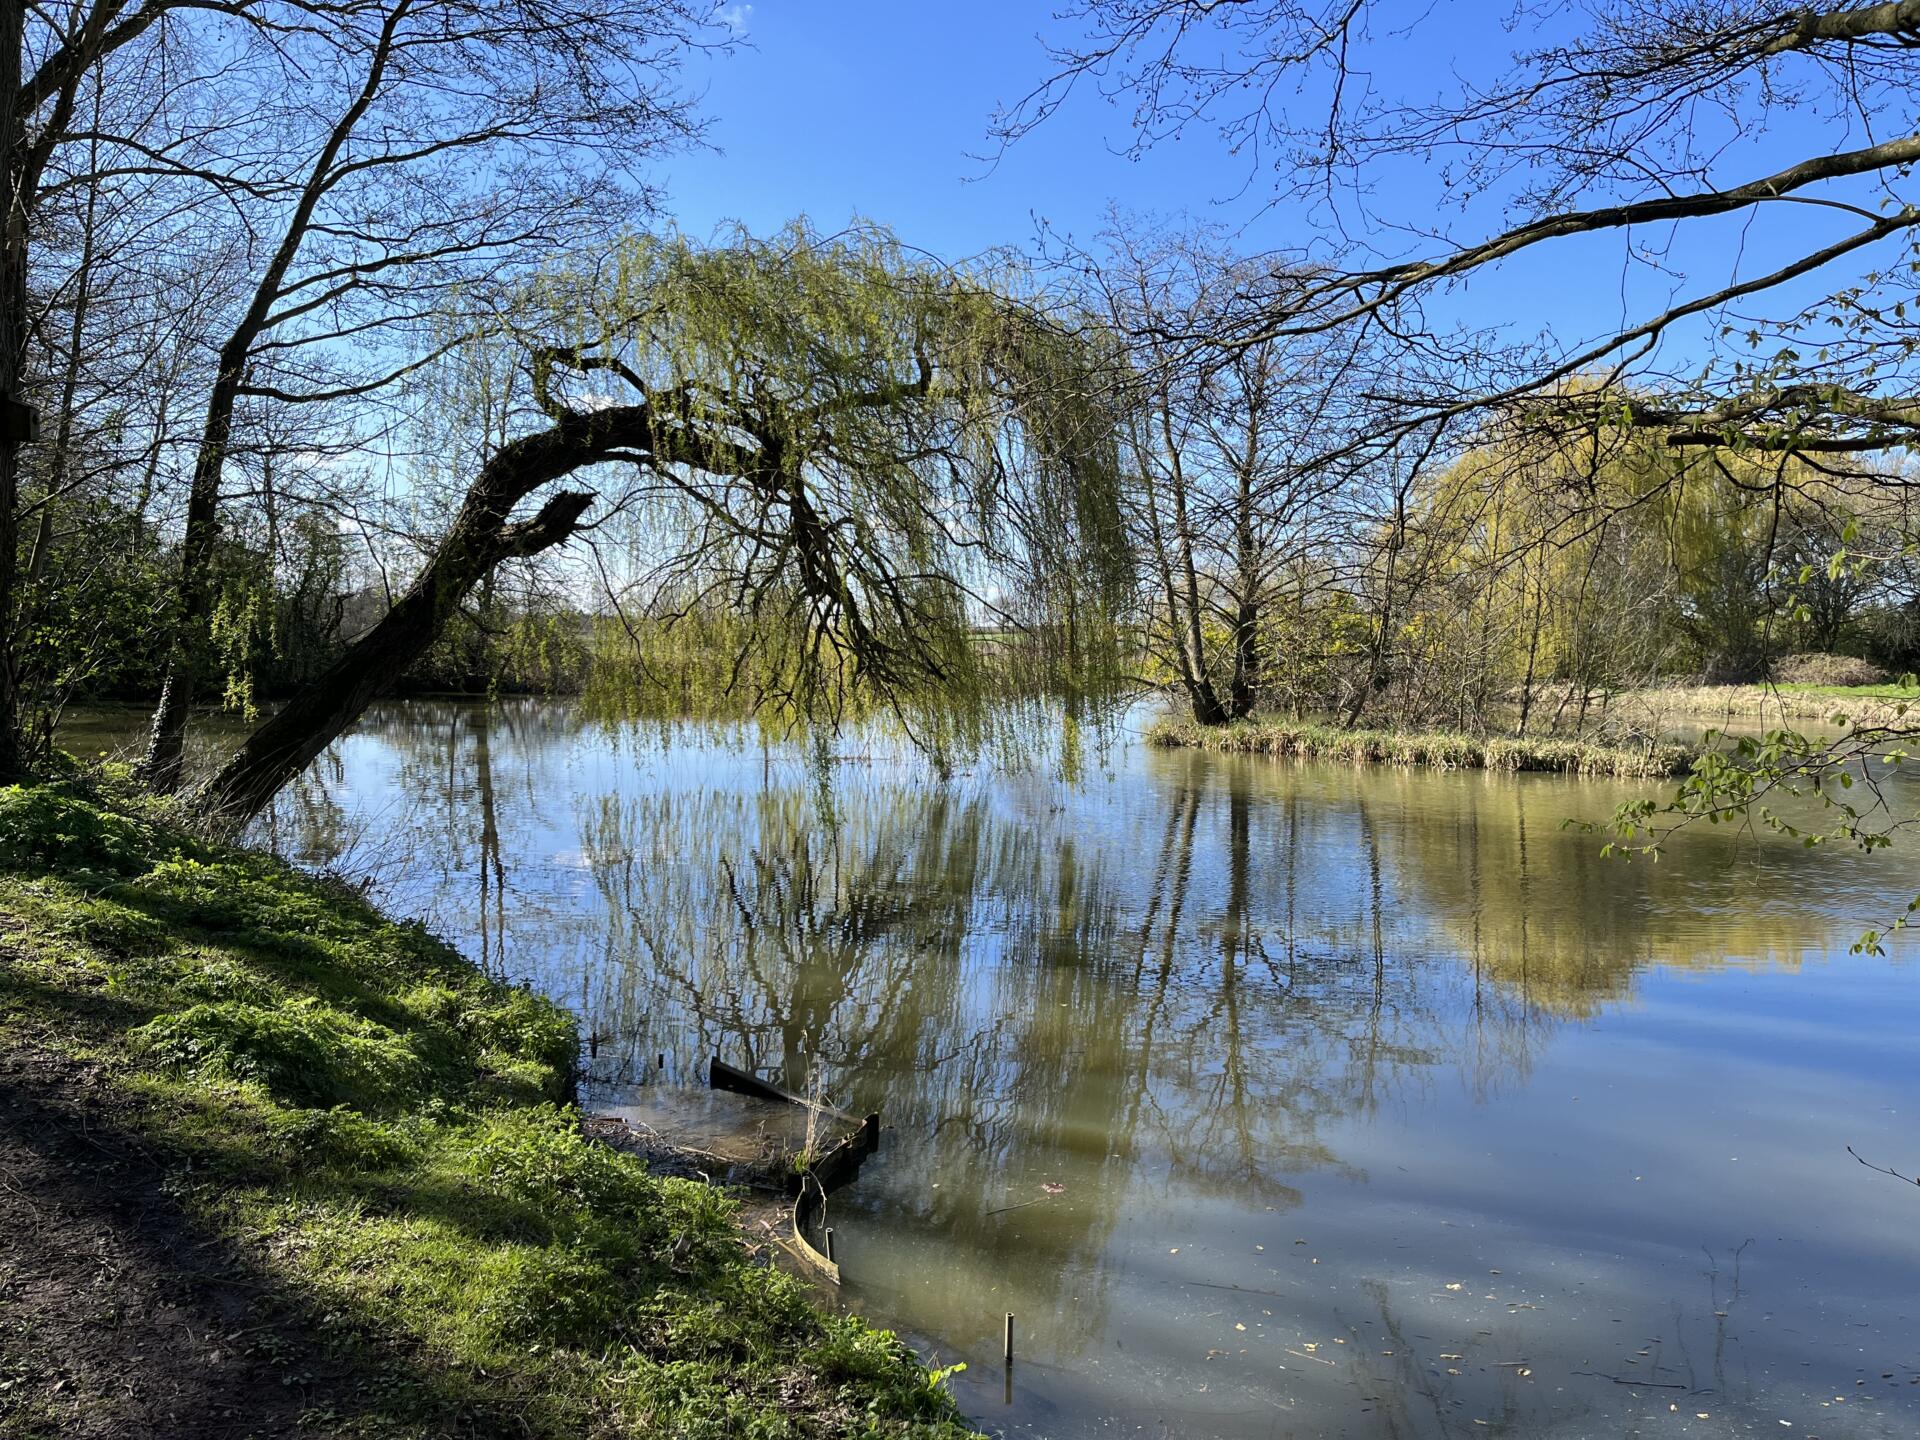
column 1272, row 1099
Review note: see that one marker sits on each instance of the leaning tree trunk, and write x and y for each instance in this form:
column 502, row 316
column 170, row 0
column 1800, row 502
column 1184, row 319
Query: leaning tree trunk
column 188, row 644
column 480, row 538
column 190, row 641
column 656, row 433
column 283, row 746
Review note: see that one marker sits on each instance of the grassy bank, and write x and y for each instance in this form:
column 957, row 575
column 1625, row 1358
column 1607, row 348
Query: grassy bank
column 347, row 1159
column 1436, row 748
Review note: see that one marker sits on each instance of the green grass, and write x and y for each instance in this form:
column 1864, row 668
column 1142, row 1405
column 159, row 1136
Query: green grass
column 386, row 1134
column 1439, row 749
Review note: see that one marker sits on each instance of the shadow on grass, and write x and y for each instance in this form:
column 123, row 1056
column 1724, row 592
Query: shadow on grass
column 91, row 1011
column 127, row 1317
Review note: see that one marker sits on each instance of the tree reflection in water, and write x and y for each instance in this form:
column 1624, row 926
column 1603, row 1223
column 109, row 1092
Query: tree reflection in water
column 1195, row 994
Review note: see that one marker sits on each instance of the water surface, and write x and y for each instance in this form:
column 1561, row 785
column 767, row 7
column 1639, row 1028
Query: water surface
column 1273, row 1099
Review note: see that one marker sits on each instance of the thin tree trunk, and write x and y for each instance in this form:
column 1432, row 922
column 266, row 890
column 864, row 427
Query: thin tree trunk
column 1207, row 708
column 187, row 652
column 13, row 345
column 1246, row 609
column 167, row 738
column 1533, row 643
column 1377, row 651
column 36, row 731
column 1188, row 663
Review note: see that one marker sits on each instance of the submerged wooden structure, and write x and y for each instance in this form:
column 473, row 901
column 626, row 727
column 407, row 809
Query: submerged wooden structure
column 815, row 1172
column 770, row 1140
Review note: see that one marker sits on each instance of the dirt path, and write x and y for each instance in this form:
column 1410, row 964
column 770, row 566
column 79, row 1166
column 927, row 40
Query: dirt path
column 118, row 1316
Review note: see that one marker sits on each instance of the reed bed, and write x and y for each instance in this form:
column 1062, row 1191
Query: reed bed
column 1440, row 750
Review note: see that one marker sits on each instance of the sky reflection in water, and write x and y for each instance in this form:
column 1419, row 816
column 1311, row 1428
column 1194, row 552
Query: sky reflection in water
column 1380, row 1103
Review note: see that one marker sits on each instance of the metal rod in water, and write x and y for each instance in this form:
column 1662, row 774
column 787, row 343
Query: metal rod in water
column 1007, row 1348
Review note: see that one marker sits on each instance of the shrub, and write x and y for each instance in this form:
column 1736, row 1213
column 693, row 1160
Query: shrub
column 198, row 976
column 1817, row 668
column 110, row 928
column 340, row 1137
column 516, row 1031
column 243, row 895
column 597, row 1198
column 540, row 1156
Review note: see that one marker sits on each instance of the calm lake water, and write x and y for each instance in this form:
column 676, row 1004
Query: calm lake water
column 1274, row 1099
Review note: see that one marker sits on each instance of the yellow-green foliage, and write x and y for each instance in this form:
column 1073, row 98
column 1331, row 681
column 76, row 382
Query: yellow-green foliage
column 1606, row 561
column 919, row 438
column 383, row 1131
column 1436, row 748
column 47, row 828
column 1544, row 563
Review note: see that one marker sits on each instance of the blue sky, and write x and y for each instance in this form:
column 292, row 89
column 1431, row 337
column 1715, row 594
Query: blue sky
column 857, row 107
column 840, row 108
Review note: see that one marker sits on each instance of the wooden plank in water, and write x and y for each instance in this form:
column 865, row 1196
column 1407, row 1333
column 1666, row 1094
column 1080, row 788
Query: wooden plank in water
column 840, row 1161
column 809, row 1208
column 722, row 1076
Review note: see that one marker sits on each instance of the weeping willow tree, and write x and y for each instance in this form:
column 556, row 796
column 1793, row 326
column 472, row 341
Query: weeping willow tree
column 822, row 475
column 914, row 507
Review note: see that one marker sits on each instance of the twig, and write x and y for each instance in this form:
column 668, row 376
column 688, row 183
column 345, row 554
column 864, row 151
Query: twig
column 1882, row 1169
column 1629, row 1380
column 1237, row 1289
column 32, row 1204
column 1021, row 1206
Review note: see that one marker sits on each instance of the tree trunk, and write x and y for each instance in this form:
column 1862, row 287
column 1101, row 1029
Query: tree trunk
column 187, row 652
column 13, row 346
column 480, row 537
column 167, row 738
column 283, row 746
column 1533, row 642
column 1244, row 685
column 1189, row 661
column 1207, row 706
column 1377, row 649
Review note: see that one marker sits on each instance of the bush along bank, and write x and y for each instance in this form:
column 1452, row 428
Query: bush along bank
column 1435, row 748
column 349, row 1159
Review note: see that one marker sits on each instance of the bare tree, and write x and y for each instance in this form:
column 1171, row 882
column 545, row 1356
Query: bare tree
column 456, row 146
column 1641, row 119
column 1795, row 129
column 1231, row 457
column 47, row 53
column 13, row 324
